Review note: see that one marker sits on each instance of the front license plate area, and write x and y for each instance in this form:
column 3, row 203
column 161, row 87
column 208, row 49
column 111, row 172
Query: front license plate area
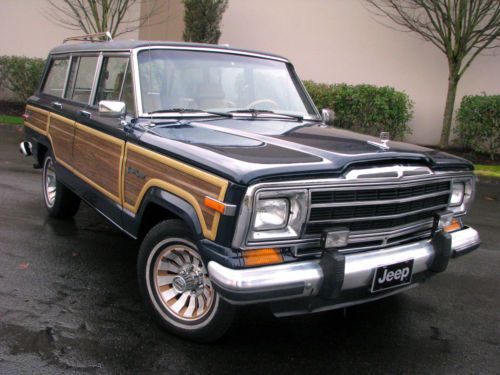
column 392, row 276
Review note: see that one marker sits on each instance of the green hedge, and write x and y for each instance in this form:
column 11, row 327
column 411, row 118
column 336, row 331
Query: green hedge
column 478, row 123
column 20, row 75
column 365, row 108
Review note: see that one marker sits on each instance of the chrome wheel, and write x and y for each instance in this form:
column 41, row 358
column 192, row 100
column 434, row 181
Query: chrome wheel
column 182, row 283
column 49, row 182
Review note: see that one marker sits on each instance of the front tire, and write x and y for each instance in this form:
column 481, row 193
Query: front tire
column 60, row 202
column 175, row 286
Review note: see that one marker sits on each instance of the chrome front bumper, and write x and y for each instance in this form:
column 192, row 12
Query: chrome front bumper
column 305, row 278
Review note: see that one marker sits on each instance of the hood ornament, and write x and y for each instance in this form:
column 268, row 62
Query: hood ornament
column 384, row 138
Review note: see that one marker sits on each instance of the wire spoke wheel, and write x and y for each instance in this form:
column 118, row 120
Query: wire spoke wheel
column 181, row 280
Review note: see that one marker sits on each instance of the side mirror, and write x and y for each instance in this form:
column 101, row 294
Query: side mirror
column 328, row 116
column 112, row 108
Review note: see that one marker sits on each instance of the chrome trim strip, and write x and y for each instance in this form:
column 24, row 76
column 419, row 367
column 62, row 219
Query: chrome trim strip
column 397, row 231
column 379, row 202
column 97, row 73
column 365, row 218
column 398, row 170
column 66, row 77
column 216, row 50
column 359, row 270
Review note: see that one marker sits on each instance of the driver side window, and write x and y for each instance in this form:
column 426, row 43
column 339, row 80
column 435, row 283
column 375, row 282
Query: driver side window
column 115, row 82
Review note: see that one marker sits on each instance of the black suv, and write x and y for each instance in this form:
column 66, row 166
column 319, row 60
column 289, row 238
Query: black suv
column 217, row 160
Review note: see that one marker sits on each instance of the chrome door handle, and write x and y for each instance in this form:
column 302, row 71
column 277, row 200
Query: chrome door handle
column 56, row 105
column 86, row 114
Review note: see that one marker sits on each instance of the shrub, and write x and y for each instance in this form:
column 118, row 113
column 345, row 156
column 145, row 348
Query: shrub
column 20, row 75
column 365, row 108
column 478, row 123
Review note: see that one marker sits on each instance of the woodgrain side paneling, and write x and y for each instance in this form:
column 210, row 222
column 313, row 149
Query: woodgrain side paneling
column 98, row 157
column 61, row 132
column 145, row 169
column 37, row 120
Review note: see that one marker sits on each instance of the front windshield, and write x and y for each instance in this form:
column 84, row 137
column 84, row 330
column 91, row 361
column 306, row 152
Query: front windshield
column 218, row 82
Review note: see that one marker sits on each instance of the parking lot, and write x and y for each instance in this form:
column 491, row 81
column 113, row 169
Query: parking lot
column 69, row 303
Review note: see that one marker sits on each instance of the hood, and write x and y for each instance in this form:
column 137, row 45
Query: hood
column 246, row 150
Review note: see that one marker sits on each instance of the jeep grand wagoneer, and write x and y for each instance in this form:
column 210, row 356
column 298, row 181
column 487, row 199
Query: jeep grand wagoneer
column 217, row 160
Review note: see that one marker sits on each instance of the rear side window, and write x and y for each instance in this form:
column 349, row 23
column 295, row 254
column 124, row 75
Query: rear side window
column 115, row 82
column 54, row 83
column 81, row 78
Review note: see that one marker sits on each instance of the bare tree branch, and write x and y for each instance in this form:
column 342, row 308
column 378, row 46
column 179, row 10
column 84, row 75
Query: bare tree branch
column 94, row 16
column 461, row 29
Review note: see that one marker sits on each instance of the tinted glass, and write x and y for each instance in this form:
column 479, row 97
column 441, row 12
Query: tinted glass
column 81, row 85
column 54, row 83
column 128, row 92
column 111, row 78
column 218, row 82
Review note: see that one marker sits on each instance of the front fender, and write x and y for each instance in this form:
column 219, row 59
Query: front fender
column 172, row 203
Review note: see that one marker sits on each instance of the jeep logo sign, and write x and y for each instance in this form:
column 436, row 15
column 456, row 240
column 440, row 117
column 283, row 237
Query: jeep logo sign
column 400, row 274
column 392, row 275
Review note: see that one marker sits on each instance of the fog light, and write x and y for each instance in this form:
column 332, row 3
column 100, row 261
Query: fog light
column 444, row 219
column 333, row 238
column 261, row 257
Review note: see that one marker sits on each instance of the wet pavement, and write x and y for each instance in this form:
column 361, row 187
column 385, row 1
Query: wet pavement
column 69, row 303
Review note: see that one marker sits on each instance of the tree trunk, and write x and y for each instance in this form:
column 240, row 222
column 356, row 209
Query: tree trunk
column 448, row 111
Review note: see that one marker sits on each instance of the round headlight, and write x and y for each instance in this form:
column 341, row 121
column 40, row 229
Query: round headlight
column 271, row 214
column 457, row 194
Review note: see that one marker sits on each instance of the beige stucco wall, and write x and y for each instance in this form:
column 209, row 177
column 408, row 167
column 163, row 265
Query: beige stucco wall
column 26, row 30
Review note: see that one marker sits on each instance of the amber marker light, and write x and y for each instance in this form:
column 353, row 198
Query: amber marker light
column 455, row 225
column 214, row 204
column 260, row 257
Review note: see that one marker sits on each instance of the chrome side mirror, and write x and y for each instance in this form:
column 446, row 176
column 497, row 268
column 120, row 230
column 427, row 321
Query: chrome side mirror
column 112, row 108
column 328, row 116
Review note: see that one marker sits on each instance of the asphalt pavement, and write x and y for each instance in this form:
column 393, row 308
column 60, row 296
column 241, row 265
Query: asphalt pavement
column 69, row 304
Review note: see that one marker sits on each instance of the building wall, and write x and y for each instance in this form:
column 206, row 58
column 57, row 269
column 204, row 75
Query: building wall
column 335, row 41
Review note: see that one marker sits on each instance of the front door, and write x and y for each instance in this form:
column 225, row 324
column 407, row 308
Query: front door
column 99, row 144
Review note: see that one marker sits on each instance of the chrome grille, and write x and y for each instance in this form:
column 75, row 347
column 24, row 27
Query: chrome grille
column 377, row 216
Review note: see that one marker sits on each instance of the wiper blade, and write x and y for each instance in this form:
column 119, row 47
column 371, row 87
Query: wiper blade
column 255, row 112
column 190, row 110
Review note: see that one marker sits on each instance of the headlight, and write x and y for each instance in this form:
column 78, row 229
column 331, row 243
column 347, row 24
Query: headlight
column 462, row 194
column 457, row 193
column 278, row 215
column 271, row 214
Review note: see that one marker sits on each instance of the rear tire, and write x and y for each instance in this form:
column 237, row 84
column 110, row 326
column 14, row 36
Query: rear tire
column 175, row 286
column 60, row 202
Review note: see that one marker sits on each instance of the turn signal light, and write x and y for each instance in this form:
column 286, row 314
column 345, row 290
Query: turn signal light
column 455, row 225
column 214, row 204
column 260, row 257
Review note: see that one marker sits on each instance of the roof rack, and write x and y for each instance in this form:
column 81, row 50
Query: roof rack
column 90, row 37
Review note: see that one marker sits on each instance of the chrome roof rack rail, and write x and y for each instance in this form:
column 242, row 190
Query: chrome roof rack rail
column 91, row 37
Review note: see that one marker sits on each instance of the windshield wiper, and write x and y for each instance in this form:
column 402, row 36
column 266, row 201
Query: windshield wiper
column 255, row 112
column 190, row 110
